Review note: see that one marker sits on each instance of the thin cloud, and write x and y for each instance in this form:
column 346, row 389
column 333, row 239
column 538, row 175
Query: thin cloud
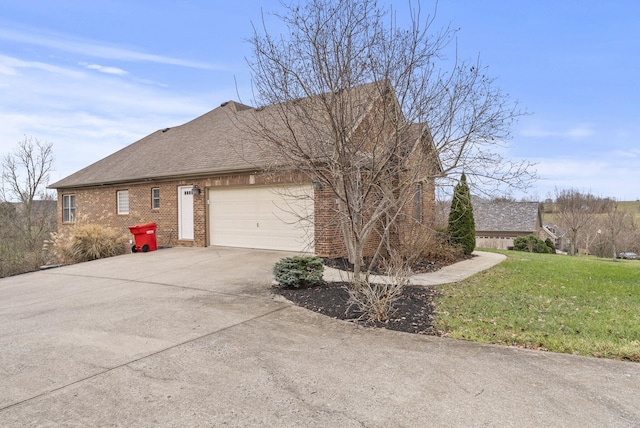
column 90, row 117
column 107, row 70
column 576, row 168
column 94, row 48
column 9, row 66
column 631, row 153
column 575, row 132
column 602, row 177
column 6, row 70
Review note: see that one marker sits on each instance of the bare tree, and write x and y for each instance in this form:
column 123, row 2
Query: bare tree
column 576, row 211
column 25, row 175
column 11, row 249
column 617, row 224
column 340, row 58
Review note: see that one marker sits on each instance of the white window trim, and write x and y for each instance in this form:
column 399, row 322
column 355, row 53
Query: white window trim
column 123, row 205
column 68, row 207
column 154, row 198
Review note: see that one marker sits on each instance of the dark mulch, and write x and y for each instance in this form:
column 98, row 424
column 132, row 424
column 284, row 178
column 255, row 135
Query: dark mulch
column 422, row 266
column 413, row 311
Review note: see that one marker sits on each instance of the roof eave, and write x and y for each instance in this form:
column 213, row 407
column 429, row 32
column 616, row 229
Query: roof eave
column 163, row 177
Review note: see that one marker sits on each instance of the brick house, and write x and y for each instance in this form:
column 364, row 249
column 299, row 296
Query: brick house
column 207, row 182
column 498, row 223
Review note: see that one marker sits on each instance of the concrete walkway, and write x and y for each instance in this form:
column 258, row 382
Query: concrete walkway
column 480, row 261
column 193, row 337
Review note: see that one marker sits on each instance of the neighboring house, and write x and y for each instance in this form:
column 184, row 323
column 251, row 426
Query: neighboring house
column 557, row 235
column 209, row 182
column 499, row 223
column 43, row 213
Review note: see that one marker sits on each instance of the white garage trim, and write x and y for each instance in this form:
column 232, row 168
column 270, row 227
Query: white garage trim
column 265, row 217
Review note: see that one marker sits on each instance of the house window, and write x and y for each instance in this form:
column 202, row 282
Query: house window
column 123, row 202
column 68, row 208
column 417, row 203
column 155, row 198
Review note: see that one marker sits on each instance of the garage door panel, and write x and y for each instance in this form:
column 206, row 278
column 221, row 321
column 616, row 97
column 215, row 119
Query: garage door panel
column 262, row 217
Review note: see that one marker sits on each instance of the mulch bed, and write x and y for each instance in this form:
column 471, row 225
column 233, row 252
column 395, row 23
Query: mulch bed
column 422, row 266
column 413, row 310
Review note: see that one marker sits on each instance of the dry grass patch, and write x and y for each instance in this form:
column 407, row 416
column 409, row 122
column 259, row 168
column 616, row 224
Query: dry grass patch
column 86, row 242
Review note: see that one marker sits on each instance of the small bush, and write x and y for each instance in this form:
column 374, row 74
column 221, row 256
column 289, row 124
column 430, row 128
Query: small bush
column 87, row 242
column 376, row 301
column 549, row 243
column 299, row 271
column 530, row 243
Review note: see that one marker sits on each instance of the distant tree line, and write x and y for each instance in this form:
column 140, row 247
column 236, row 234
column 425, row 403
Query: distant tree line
column 594, row 225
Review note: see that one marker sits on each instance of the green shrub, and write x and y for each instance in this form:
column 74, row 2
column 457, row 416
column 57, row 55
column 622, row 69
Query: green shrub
column 530, row 243
column 550, row 244
column 299, row 271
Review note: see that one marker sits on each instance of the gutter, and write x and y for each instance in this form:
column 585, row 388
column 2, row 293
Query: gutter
column 141, row 180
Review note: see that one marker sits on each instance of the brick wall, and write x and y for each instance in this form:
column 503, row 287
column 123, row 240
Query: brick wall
column 328, row 236
column 99, row 205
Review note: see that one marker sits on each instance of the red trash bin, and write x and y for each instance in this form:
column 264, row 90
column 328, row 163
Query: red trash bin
column 145, row 237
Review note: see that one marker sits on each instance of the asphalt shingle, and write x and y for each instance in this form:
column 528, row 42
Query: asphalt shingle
column 506, row 216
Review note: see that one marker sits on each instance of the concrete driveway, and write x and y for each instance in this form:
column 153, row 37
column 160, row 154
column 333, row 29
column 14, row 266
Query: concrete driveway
column 193, row 337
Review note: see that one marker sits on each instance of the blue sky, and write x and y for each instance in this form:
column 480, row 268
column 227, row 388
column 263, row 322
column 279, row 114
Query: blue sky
column 94, row 76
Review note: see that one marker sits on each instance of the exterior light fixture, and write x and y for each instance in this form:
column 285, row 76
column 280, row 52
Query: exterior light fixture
column 195, row 190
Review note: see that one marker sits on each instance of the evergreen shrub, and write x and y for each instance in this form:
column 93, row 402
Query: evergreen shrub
column 462, row 226
column 550, row 244
column 531, row 244
column 299, row 271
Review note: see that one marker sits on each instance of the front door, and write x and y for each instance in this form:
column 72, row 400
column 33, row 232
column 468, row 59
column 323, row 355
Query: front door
column 185, row 213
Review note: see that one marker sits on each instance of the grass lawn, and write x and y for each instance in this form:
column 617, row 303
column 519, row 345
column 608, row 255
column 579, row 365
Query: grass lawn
column 580, row 305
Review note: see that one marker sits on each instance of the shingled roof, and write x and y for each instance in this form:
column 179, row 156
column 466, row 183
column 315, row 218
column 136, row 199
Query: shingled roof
column 506, row 216
column 208, row 144
column 220, row 141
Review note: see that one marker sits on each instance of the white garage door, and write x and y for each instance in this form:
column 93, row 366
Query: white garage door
column 276, row 218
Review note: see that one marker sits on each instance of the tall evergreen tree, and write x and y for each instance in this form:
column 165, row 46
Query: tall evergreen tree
column 462, row 226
